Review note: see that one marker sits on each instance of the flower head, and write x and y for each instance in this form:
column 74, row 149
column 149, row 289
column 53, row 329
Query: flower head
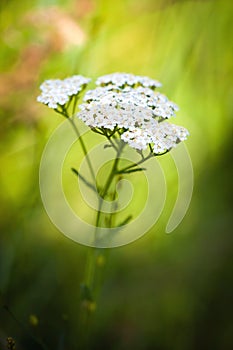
column 57, row 92
column 121, row 102
column 129, row 104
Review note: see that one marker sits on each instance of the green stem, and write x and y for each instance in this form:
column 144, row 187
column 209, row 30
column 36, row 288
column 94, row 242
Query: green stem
column 65, row 114
column 83, row 148
column 93, row 277
column 111, row 142
column 151, row 155
column 114, row 205
column 108, row 183
column 91, row 264
column 134, row 165
column 74, row 105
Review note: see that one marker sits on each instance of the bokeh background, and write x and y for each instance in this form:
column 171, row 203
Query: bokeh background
column 161, row 292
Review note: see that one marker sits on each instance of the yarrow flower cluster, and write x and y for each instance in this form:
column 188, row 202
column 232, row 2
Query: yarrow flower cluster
column 57, row 92
column 121, row 103
column 129, row 104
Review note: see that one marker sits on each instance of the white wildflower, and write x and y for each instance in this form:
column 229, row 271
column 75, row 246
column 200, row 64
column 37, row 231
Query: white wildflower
column 123, row 102
column 128, row 102
column 161, row 136
column 57, row 92
column 127, row 108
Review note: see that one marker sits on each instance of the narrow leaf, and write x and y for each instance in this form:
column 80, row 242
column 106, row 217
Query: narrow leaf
column 87, row 183
column 107, row 146
column 132, row 171
column 124, row 222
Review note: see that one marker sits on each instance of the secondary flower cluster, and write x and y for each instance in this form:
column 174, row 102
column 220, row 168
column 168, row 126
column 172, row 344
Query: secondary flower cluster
column 123, row 103
column 57, row 92
column 163, row 136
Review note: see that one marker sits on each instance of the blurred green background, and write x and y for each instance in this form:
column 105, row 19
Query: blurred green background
column 161, row 292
